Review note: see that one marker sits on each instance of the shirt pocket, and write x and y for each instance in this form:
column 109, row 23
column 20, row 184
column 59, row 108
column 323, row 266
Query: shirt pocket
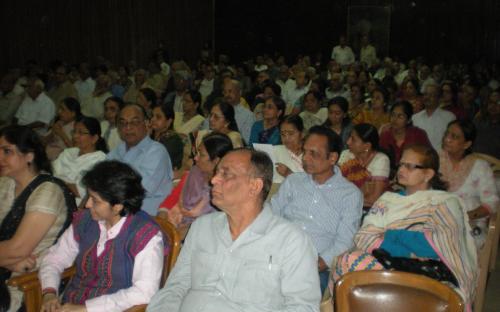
column 258, row 281
column 204, row 269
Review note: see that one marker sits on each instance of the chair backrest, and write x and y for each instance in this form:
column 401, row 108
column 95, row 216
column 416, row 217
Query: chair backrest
column 174, row 238
column 392, row 291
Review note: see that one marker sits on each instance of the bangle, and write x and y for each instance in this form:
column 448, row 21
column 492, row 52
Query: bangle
column 49, row 290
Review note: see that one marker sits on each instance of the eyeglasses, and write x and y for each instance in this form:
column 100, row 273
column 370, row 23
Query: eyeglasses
column 132, row 124
column 409, row 166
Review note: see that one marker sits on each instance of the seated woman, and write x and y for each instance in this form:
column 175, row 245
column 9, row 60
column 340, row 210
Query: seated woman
column 313, row 114
column 401, row 133
column 118, row 249
column 163, row 131
column 470, row 178
column 191, row 197
column 73, row 162
column 423, row 222
column 109, row 131
column 376, row 114
column 363, row 164
column 59, row 136
column 338, row 118
column 411, row 92
column 191, row 118
column 266, row 131
column 35, row 207
column 147, row 99
column 289, row 155
column 221, row 119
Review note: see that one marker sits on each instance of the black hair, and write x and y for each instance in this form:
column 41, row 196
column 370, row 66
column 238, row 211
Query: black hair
column 407, row 110
column 117, row 100
column 468, row 129
column 294, row 120
column 150, row 95
column 73, row 105
column 342, row 103
column 228, row 112
column 168, row 112
column 217, row 144
column 116, row 183
column 368, row 134
column 334, row 140
column 316, row 95
column 196, row 97
column 279, row 103
column 274, row 86
column 27, row 141
column 415, row 84
column 94, row 128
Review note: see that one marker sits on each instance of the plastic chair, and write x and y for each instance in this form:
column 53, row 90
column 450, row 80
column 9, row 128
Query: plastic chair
column 30, row 285
column 392, row 291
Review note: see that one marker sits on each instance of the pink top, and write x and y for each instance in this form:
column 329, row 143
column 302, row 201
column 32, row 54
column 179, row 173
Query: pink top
column 148, row 265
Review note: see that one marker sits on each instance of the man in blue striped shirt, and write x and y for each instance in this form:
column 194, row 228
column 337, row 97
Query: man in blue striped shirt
column 320, row 200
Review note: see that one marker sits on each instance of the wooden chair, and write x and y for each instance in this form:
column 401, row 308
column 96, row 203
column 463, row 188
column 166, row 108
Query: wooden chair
column 392, row 291
column 495, row 167
column 30, row 285
column 484, row 258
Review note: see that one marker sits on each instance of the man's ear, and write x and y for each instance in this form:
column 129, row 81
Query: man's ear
column 257, row 185
column 333, row 157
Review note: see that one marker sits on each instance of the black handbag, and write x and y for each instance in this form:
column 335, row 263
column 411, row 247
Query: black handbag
column 434, row 269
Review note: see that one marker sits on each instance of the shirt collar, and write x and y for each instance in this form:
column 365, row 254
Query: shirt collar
column 334, row 179
column 114, row 230
column 142, row 145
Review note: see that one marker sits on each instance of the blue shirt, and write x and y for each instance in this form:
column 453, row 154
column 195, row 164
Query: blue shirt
column 152, row 161
column 244, row 119
column 257, row 128
column 330, row 213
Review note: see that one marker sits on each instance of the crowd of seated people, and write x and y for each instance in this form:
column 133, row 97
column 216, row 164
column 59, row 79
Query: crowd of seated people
column 346, row 139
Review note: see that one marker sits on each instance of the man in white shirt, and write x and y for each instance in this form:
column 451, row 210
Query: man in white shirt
column 342, row 53
column 295, row 89
column 85, row 85
column 337, row 88
column 93, row 106
column 243, row 258
column 368, row 53
column 433, row 120
column 37, row 110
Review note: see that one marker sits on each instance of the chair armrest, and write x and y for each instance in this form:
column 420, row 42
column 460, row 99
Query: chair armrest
column 137, row 308
column 24, row 282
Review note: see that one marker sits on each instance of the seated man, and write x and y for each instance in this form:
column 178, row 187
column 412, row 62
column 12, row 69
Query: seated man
column 243, row 258
column 321, row 200
column 148, row 157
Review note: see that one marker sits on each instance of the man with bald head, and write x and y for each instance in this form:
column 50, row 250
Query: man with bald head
column 242, row 258
column 148, row 157
column 244, row 117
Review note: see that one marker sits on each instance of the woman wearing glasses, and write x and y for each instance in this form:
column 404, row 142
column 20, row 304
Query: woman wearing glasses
column 90, row 148
column 422, row 222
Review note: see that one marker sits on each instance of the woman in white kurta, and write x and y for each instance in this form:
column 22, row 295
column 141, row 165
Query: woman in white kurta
column 74, row 162
column 470, row 178
column 288, row 156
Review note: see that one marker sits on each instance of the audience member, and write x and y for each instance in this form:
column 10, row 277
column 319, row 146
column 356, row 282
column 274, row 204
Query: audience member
column 191, row 118
column 9, row 99
column 401, row 133
column 117, row 249
column 313, row 114
column 288, row 156
column 93, row 106
column 411, row 93
column 376, row 114
column 469, row 178
column 62, row 87
column 59, row 136
column 363, row 164
column 85, row 85
column 342, row 53
column 89, row 149
column 221, row 119
column 433, row 120
column 338, row 119
column 35, row 207
column 320, row 200
column 244, row 117
column 488, row 126
column 37, row 110
column 228, row 256
column 266, row 131
column 148, row 157
column 400, row 225
column 367, row 53
column 109, row 130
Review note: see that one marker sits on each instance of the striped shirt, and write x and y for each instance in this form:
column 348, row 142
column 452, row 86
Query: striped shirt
column 330, row 213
